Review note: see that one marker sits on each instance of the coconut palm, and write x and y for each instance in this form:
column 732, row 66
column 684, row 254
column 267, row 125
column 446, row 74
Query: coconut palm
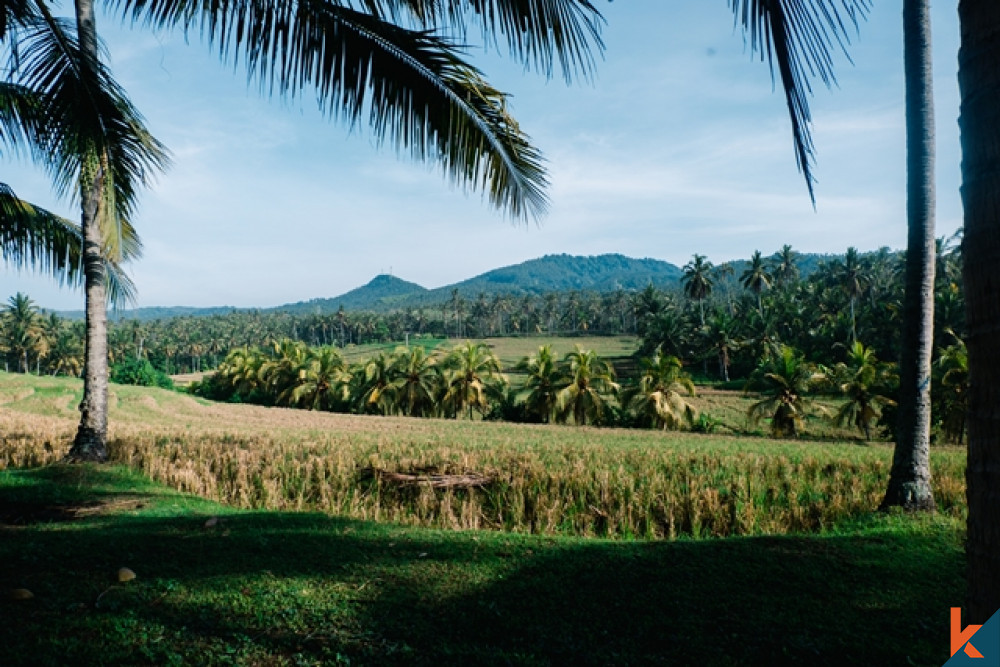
column 415, row 383
column 720, row 337
column 541, row 384
column 412, row 81
column 473, row 378
column 588, row 384
column 784, row 269
column 370, row 384
column 952, row 385
column 697, row 281
column 756, row 278
column 788, row 378
column 93, row 142
column 322, row 381
column 851, row 276
column 22, row 329
column 858, row 380
column 910, row 477
column 65, row 353
column 658, row 399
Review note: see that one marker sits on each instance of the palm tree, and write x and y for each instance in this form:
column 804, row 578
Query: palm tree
column 589, row 382
column 720, row 337
column 93, row 142
column 756, row 278
column 910, row 478
column 785, row 271
column 659, row 397
column 472, row 378
column 22, row 330
column 415, row 382
column 858, row 380
column 697, row 282
column 541, row 384
column 371, row 385
column 787, row 378
column 413, row 82
column 322, row 381
column 952, row 383
column 853, row 281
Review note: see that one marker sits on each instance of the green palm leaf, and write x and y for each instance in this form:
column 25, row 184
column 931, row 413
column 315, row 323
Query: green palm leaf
column 797, row 37
column 412, row 84
column 90, row 127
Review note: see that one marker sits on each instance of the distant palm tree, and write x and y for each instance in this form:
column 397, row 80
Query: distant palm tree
column 697, row 282
column 22, row 329
column 720, row 336
column 859, row 380
column 787, row 379
column 851, row 274
column 659, row 397
column 952, row 382
column 588, row 384
column 756, row 278
column 541, row 384
column 322, row 381
column 473, row 378
column 785, row 270
column 415, row 382
column 370, row 385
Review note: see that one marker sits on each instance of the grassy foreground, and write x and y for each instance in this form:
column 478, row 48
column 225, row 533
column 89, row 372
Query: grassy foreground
column 219, row 586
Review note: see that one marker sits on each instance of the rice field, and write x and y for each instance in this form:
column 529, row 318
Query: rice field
column 626, row 484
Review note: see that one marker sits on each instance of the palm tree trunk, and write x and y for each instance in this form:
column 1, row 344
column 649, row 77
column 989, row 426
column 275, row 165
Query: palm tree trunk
column 910, row 478
column 979, row 81
column 91, row 437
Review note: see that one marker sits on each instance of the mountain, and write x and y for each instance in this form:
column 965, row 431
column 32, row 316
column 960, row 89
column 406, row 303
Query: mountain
column 384, row 292
column 601, row 273
column 560, row 273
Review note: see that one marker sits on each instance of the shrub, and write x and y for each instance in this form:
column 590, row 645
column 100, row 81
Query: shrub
column 140, row 372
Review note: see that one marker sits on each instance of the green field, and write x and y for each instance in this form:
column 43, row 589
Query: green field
column 517, row 570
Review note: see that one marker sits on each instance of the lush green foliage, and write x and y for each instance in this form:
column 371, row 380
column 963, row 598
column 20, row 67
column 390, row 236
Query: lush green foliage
column 141, row 373
column 219, row 586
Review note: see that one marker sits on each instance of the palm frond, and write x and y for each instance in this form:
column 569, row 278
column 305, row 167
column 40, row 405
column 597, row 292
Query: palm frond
column 33, row 237
column 88, row 118
column 540, row 33
column 413, row 87
column 798, row 37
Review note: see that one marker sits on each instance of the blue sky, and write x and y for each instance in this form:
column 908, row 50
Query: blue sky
column 680, row 145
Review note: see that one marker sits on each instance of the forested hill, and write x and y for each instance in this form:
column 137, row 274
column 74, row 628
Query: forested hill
column 551, row 273
column 384, row 292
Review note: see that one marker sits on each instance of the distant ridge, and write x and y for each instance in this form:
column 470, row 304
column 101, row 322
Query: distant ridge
column 551, row 273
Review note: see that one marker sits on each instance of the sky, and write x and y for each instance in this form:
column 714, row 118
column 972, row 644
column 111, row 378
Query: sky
column 680, row 145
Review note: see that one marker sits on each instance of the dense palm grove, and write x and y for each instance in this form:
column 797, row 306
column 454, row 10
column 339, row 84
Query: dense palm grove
column 756, row 324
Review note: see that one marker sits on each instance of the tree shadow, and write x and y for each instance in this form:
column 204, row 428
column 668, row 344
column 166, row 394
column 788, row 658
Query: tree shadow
column 274, row 588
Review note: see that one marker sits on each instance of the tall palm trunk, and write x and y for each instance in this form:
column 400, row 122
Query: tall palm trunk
column 910, row 479
column 979, row 81
column 91, row 437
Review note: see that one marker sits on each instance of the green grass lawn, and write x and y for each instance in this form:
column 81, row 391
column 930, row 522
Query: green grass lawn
column 281, row 588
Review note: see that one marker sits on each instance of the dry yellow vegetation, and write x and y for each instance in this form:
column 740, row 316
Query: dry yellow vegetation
column 541, row 479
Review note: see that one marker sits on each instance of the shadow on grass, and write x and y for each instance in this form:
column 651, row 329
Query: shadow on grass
column 286, row 588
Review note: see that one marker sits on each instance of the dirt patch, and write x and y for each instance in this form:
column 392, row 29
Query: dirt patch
column 23, row 514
